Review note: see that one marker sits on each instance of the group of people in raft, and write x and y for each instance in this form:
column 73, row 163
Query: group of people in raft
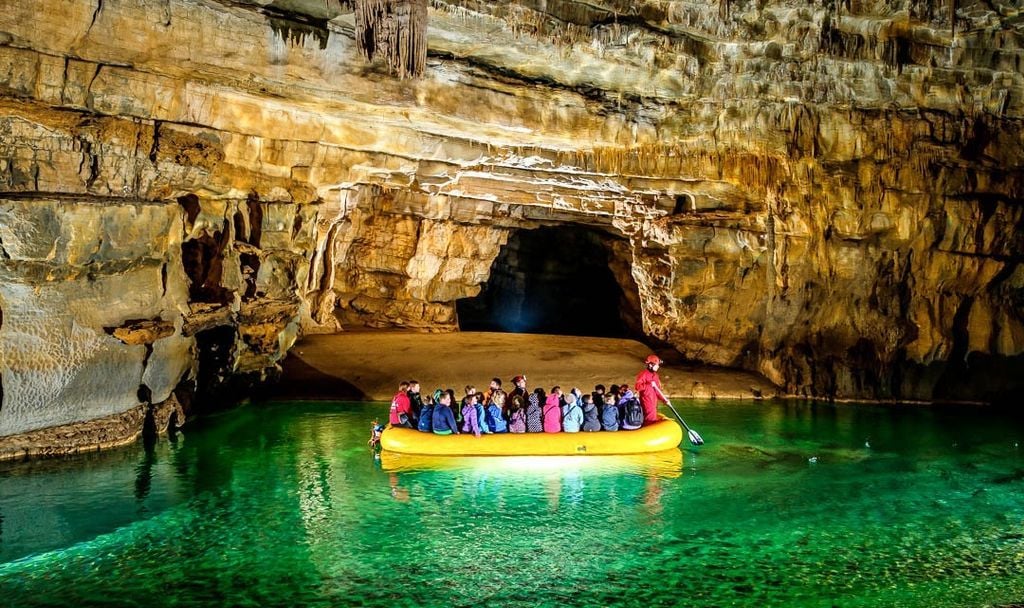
column 523, row 411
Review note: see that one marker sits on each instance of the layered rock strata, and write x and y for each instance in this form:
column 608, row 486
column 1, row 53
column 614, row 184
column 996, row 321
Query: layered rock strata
column 828, row 193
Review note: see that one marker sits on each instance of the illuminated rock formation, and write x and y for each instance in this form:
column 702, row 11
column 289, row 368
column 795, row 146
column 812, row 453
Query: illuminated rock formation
column 827, row 193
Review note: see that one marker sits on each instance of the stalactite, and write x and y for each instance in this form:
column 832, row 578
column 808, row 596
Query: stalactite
column 396, row 31
column 953, row 5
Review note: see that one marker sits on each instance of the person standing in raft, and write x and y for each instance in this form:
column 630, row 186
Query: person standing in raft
column 649, row 390
column 444, row 420
column 401, row 411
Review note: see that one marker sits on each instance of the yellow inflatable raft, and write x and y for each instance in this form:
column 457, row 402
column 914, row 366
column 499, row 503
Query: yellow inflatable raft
column 667, row 464
column 662, row 435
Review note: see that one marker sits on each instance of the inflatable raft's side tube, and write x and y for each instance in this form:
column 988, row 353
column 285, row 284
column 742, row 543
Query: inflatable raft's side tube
column 662, row 435
column 667, row 464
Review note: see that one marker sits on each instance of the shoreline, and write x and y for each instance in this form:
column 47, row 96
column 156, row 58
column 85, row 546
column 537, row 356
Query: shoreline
column 368, row 365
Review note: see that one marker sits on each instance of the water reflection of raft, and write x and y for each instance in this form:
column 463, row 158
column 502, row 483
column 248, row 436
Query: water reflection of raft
column 662, row 435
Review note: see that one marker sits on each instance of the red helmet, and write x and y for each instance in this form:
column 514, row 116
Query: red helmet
column 653, row 360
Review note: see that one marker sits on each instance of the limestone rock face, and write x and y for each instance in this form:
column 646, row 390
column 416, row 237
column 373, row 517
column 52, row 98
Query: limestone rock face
column 828, row 193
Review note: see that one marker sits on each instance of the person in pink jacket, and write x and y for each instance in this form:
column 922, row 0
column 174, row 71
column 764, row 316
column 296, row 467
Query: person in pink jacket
column 553, row 411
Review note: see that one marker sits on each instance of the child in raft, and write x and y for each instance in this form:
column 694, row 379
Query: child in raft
column 470, row 421
column 426, row 423
column 495, row 421
column 626, row 421
column 470, row 391
column 481, row 413
column 610, row 414
column 456, row 409
column 591, row 422
column 444, row 420
column 401, row 410
column 558, row 412
column 516, row 414
column 534, row 415
column 552, row 413
column 572, row 413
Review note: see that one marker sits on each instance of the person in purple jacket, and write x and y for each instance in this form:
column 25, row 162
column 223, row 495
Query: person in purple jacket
column 470, row 423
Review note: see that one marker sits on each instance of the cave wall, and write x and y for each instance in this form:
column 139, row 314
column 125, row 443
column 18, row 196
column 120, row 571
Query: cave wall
column 829, row 193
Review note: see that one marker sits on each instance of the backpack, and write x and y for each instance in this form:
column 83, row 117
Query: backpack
column 426, row 419
column 633, row 413
column 517, row 421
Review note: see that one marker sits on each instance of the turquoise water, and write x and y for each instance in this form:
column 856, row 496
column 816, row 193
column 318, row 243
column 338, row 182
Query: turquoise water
column 283, row 505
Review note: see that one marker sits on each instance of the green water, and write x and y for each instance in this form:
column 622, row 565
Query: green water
column 283, row 505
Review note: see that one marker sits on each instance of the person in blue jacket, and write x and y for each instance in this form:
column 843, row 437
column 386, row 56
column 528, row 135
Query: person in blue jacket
column 572, row 414
column 481, row 413
column 610, row 414
column 443, row 418
column 495, row 420
column 426, row 422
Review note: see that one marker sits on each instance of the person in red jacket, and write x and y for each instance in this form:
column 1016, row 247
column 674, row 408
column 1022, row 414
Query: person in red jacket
column 649, row 390
column 400, row 405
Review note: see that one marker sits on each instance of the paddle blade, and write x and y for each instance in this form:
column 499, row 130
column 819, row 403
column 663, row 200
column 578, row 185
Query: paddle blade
column 695, row 439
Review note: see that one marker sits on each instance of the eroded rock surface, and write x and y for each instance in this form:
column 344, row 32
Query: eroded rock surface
column 828, row 193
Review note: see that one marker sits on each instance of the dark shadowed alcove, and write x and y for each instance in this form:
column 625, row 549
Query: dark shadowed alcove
column 556, row 280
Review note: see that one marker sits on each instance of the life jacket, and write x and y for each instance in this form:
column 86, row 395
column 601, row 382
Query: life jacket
column 426, row 423
column 632, row 413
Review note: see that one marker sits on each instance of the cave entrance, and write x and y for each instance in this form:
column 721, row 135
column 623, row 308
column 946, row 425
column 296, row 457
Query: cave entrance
column 557, row 280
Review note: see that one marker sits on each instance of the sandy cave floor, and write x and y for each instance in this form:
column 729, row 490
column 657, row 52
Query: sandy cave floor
column 368, row 365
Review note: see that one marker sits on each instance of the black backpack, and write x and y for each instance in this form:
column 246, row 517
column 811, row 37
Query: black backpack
column 633, row 413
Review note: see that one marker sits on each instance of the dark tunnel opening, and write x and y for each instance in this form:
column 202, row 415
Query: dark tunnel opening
column 554, row 280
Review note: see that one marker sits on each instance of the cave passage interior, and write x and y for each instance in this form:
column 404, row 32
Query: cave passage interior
column 550, row 280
